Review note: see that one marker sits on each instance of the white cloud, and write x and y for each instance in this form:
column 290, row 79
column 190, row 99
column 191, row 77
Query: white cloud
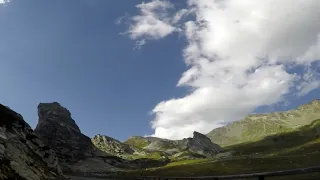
column 239, row 53
column 4, row 1
column 152, row 22
column 308, row 87
column 309, row 81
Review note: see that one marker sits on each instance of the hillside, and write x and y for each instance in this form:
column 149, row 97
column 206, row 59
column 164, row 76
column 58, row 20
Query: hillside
column 257, row 126
column 199, row 146
column 296, row 149
column 304, row 140
column 23, row 156
column 123, row 150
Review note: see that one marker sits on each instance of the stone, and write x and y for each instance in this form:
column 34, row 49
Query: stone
column 111, row 145
column 202, row 145
column 2, row 149
column 57, row 129
column 22, row 154
column 75, row 151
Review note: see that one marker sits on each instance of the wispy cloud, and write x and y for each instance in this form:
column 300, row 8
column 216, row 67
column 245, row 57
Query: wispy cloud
column 4, row 1
column 239, row 53
column 153, row 22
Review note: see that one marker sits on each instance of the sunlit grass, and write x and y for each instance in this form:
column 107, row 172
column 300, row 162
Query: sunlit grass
column 279, row 152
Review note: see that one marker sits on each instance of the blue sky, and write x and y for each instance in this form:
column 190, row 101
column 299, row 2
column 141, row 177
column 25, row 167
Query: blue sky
column 72, row 52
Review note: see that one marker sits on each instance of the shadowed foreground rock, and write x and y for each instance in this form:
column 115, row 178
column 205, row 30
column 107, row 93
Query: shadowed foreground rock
column 22, row 154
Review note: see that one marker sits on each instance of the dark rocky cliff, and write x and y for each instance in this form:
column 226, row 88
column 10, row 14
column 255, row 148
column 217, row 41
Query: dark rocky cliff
column 23, row 155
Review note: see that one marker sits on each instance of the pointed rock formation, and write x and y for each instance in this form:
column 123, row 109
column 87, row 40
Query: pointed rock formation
column 22, row 154
column 57, row 129
column 202, row 145
column 75, row 150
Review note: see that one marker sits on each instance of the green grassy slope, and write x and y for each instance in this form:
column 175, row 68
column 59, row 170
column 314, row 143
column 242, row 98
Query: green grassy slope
column 257, row 126
column 297, row 149
column 137, row 141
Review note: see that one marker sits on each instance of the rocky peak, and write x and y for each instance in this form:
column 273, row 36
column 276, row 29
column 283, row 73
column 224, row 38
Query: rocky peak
column 56, row 113
column 197, row 135
column 57, row 129
column 201, row 144
column 75, row 150
column 22, row 154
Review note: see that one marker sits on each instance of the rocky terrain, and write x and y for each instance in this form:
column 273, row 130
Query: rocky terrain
column 199, row 146
column 23, row 155
column 75, row 150
column 57, row 129
column 257, row 126
column 126, row 151
column 111, row 145
column 57, row 144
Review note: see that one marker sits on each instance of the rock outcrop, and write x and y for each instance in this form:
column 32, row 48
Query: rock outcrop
column 23, row 155
column 76, row 152
column 57, row 129
column 201, row 144
column 111, row 145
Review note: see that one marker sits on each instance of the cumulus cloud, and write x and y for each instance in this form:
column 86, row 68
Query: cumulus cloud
column 239, row 54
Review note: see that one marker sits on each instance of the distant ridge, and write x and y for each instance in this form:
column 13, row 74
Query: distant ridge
column 258, row 126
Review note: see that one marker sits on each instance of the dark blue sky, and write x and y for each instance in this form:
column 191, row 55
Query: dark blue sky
column 70, row 51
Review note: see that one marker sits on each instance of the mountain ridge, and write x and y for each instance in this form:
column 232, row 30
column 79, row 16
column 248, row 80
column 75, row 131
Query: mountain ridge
column 256, row 126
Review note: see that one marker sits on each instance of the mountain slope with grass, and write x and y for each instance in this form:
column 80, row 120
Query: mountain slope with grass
column 123, row 150
column 257, row 126
column 296, row 149
column 199, row 146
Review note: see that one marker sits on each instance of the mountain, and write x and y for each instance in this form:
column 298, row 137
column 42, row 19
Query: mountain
column 126, row 151
column 290, row 150
column 23, row 155
column 199, row 146
column 57, row 129
column 76, row 151
column 257, row 126
column 138, row 147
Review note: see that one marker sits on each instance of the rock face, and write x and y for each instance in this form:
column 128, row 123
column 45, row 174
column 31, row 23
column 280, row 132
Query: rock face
column 111, row 145
column 57, row 129
column 202, row 145
column 258, row 126
column 22, row 154
column 76, row 152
